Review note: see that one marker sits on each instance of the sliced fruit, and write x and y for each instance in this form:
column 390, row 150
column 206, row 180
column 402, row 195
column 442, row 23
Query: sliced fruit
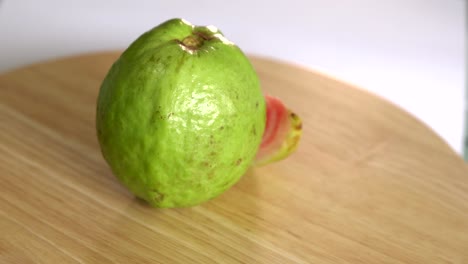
column 282, row 133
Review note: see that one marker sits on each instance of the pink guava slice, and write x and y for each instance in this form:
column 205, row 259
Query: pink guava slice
column 282, row 133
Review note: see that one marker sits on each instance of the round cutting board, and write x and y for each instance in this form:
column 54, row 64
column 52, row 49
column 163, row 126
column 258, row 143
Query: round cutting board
column 368, row 183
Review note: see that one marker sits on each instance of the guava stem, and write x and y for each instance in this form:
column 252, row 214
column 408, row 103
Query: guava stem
column 193, row 42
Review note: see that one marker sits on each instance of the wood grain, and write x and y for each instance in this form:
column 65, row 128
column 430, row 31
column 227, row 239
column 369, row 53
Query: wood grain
column 368, row 184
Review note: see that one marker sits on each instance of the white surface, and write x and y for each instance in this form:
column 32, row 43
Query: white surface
column 410, row 52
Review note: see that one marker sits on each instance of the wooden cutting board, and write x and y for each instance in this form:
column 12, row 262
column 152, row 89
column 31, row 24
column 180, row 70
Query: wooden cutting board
column 368, row 184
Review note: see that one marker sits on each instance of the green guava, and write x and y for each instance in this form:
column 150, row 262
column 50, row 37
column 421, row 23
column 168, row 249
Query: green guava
column 180, row 115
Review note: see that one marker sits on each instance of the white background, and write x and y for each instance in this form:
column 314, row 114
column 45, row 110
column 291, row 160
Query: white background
column 410, row 52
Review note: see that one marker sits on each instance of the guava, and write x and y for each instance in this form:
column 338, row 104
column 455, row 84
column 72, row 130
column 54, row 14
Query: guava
column 282, row 133
column 180, row 115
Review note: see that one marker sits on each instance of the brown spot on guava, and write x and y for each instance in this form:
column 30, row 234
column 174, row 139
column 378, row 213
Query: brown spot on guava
column 157, row 196
column 154, row 116
column 211, row 174
column 154, row 59
column 298, row 126
column 238, row 161
column 296, row 119
column 221, row 128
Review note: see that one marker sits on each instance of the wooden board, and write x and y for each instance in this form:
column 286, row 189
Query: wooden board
column 368, row 184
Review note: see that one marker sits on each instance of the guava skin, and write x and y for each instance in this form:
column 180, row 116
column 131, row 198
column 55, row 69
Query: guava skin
column 180, row 115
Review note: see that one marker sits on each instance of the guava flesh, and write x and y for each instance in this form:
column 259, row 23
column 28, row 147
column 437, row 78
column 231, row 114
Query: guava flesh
column 282, row 133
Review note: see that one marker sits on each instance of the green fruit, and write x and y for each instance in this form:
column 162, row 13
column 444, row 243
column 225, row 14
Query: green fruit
column 180, row 115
